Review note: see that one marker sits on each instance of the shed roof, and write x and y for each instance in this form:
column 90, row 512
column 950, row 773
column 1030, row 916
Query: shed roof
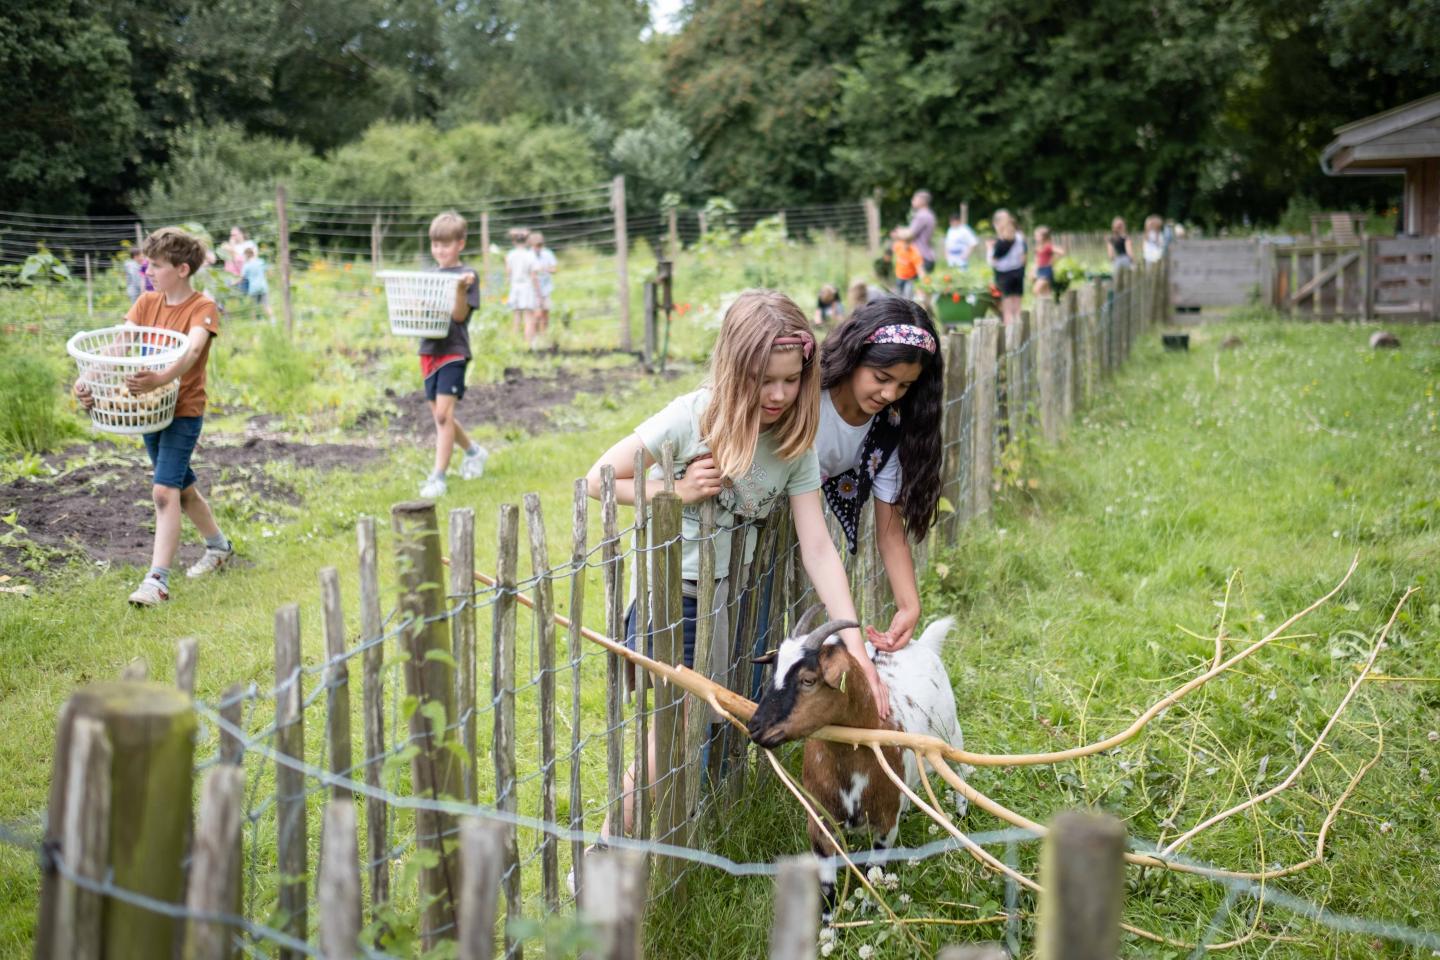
column 1386, row 142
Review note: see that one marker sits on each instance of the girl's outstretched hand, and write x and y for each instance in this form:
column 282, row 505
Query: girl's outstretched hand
column 879, row 691
column 702, row 480
column 902, row 630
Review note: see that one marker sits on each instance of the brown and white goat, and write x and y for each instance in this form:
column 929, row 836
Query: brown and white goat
column 817, row 683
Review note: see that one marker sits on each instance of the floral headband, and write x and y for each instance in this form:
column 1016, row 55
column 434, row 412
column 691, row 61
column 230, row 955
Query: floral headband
column 903, row 333
column 803, row 340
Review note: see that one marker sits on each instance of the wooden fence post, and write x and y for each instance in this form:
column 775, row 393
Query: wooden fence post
column 372, row 695
column 640, row 790
column 375, row 245
column 484, row 250
column 89, row 289
column 290, row 834
column 614, row 903
column 673, row 226
column 1083, row 873
column 502, row 688
column 545, row 639
column 339, row 885
column 610, row 562
column 462, row 636
column 665, row 518
column 622, row 258
column 1070, row 316
column 215, row 870
column 337, row 680
column 579, row 538
column 482, row 846
column 435, row 771
column 282, row 221
column 983, row 429
column 150, row 728
column 796, row 923
column 187, row 652
column 954, row 421
column 872, row 224
column 698, row 726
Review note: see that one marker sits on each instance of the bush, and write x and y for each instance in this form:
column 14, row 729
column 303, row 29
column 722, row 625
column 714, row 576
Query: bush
column 30, row 385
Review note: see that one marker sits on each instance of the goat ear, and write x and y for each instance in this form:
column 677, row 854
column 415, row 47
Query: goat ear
column 834, row 666
column 768, row 657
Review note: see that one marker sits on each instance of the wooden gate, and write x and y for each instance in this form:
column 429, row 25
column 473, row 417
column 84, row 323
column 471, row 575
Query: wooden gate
column 1214, row 273
column 1372, row 278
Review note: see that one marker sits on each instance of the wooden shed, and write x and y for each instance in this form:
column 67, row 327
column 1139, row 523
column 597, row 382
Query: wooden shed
column 1404, row 141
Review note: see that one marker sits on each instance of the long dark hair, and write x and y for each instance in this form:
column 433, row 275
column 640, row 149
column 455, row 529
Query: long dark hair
column 920, row 408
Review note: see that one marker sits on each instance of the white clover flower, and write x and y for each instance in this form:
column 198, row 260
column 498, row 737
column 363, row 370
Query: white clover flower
column 892, row 882
column 875, row 874
column 865, row 952
column 827, row 948
column 905, row 898
column 827, row 934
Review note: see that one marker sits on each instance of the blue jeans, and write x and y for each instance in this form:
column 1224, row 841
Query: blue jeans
column 170, row 452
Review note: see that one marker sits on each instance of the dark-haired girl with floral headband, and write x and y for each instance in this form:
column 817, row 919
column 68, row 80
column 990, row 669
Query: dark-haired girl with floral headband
column 881, row 395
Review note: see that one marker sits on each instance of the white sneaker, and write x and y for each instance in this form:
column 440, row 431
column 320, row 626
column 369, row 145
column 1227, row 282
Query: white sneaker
column 212, row 560
column 472, row 466
column 150, row 593
column 433, row 488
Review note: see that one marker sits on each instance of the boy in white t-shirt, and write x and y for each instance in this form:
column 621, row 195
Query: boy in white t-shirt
column 959, row 241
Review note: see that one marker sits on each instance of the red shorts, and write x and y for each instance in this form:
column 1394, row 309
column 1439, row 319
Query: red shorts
column 429, row 364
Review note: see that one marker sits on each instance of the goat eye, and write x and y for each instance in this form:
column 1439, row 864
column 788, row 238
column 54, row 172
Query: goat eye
column 807, row 681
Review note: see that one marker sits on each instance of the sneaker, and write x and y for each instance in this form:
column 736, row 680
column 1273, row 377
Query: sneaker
column 472, row 467
column 212, row 560
column 433, row 488
column 150, row 593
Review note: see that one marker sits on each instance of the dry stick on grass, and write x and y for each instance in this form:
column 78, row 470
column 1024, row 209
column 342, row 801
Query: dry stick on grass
column 1309, row 754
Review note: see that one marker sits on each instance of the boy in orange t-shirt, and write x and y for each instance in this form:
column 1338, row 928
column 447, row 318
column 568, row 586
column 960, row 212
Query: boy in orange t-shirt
column 908, row 262
column 174, row 257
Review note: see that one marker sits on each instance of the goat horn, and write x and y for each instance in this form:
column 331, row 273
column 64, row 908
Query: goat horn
column 818, row 635
column 807, row 619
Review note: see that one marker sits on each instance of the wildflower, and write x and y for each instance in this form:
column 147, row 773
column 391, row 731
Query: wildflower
column 1386, row 827
column 875, row 875
column 1433, row 736
column 865, row 952
column 905, row 898
column 827, row 948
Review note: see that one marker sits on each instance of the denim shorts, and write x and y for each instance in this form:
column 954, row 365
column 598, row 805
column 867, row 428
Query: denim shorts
column 687, row 625
column 170, row 452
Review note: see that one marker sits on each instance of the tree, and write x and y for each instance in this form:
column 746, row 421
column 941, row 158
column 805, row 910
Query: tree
column 70, row 115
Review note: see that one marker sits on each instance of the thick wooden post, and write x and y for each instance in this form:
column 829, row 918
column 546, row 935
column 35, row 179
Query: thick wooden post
column 150, row 728
column 290, row 834
column 215, row 871
column 1070, row 318
column 982, row 470
column 337, row 680
column 579, row 538
column 954, row 423
column 872, row 224
column 372, row 695
column 484, row 250
column 282, row 228
column 673, row 230
column 482, row 846
column 670, row 763
column 339, row 886
column 797, row 908
column 614, row 581
column 1047, row 372
column 502, row 689
column 462, row 636
column 640, row 794
column 1083, row 873
column 375, row 245
column 435, row 771
column 187, row 653
column 622, row 259
column 613, row 903
column 545, row 640
column 698, row 724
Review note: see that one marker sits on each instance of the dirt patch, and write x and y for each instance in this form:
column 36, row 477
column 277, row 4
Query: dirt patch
column 101, row 510
column 517, row 402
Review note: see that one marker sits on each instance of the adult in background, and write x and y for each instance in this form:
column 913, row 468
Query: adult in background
column 1006, row 256
column 1122, row 253
column 922, row 228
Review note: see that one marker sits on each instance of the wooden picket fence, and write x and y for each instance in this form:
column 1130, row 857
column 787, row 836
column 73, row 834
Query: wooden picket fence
column 118, row 881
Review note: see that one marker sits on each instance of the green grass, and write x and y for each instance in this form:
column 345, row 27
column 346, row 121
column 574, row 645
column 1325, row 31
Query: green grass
column 1076, row 610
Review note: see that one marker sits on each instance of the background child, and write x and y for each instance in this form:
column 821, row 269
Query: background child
column 882, row 392
column 745, row 439
column 545, row 267
column 443, row 362
column 134, row 275
column 1152, row 247
column 828, row 308
column 1045, row 254
column 1122, row 254
column 524, row 295
column 959, row 241
column 254, row 282
column 858, row 295
column 908, row 262
column 174, row 256
column 1006, row 256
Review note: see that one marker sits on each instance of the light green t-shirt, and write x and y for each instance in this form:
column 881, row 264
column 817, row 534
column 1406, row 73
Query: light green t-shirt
column 749, row 498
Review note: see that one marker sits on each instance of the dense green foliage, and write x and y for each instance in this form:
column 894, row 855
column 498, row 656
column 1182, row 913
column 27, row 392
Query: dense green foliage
column 1212, row 111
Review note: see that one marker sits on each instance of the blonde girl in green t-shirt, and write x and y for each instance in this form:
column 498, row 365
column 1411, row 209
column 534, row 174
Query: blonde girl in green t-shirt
column 747, row 438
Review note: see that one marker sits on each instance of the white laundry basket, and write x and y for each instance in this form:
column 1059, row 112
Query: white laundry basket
column 420, row 302
column 106, row 357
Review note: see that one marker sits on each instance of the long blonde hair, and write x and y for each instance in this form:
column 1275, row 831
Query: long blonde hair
column 730, row 424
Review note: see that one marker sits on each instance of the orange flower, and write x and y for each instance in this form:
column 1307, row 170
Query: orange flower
column 947, row 278
column 954, row 298
column 348, row 266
